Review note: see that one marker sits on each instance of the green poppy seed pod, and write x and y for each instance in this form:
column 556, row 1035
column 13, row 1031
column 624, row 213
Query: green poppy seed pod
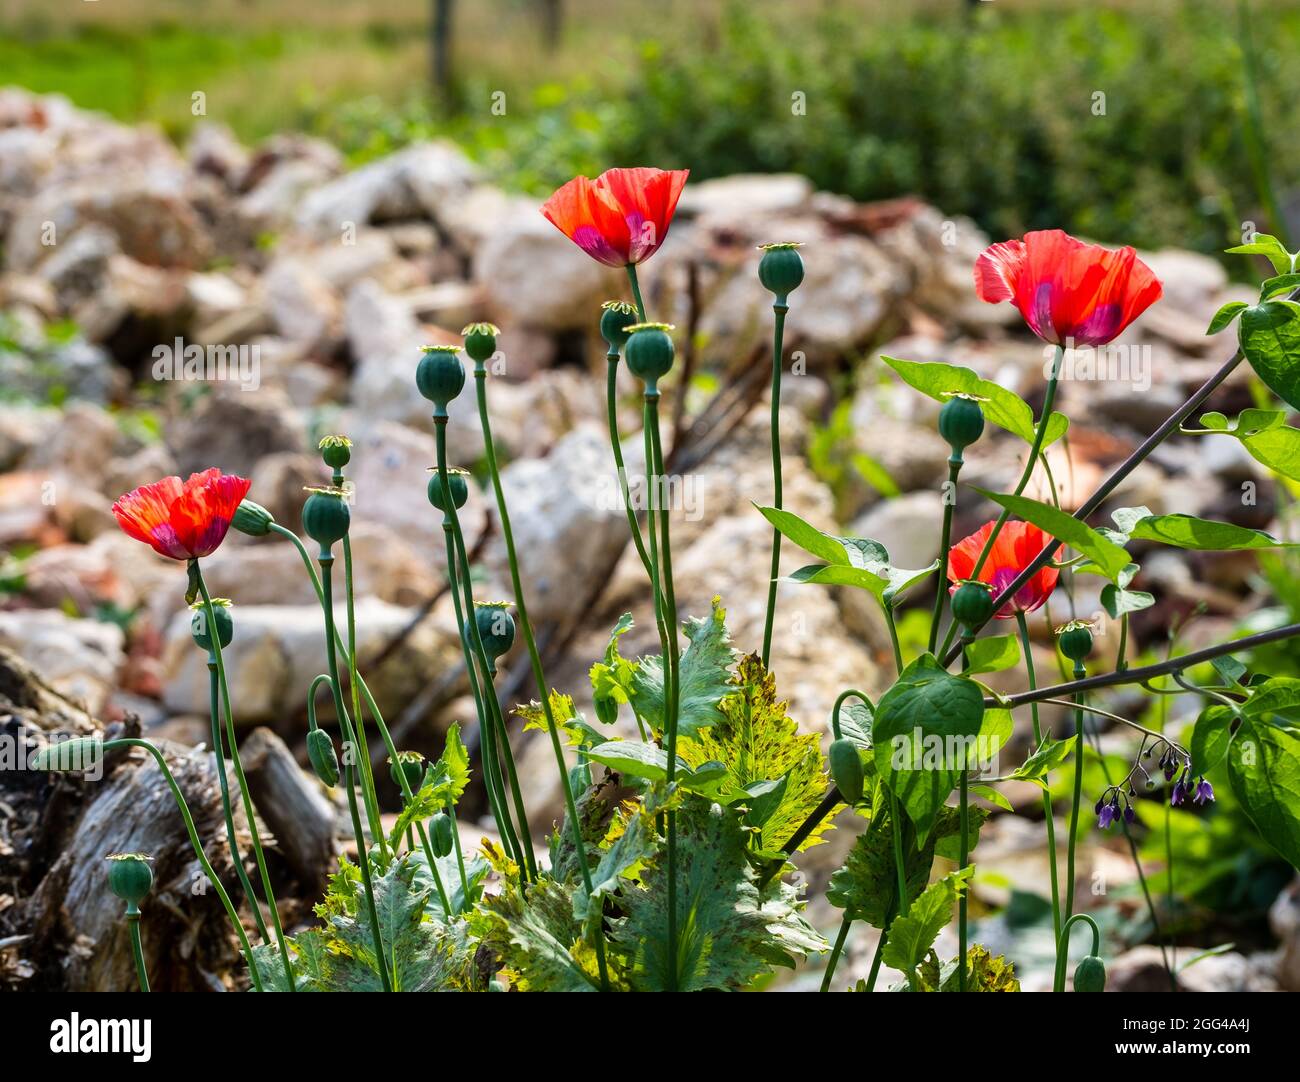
column 130, row 877
column 649, row 353
column 320, row 752
column 480, row 341
column 972, row 604
column 846, row 769
column 221, row 617
column 615, row 318
column 440, row 376
column 606, row 709
column 961, row 422
column 79, row 753
column 336, row 451
column 441, row 834
column 326, row 517
column 1075, row 640
column 781, row 269
column 412, row 766
column 1090, row 975
column 456, row 481
column 496, row 627
column 252, row 519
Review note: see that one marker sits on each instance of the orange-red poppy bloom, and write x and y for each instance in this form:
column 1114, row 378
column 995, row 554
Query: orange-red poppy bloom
column 182, row 521
column 622, row 216
column 1069, row 292
column 1015, row 548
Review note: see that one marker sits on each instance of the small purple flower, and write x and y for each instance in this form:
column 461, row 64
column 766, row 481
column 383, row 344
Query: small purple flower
column 1129, row 813
column 1177, row 794
column 1106, row 816
column 1204, row 792
column 1170, row 766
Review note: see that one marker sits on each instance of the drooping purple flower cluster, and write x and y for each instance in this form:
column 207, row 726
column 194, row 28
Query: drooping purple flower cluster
column 1114, row 804
column 1175, row 763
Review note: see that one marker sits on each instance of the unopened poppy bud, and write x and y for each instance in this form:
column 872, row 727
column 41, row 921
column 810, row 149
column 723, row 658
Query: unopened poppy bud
column 79, row 753
column 411, row 765
column 649, row 353
column 200, row 624
column 615, row 318
column 252, row 519
column 1075, row 640
column 972, row 604
column 846, row 769
column 440, row 376
column 457, row 481
column 961, row 422
column 320, row 753
column 130, row 877
column 336, row 451
column 442, row 834
column 496, row 627
column 781, row 269
column 480, row 341
column 326, row 517
column 1090, row 975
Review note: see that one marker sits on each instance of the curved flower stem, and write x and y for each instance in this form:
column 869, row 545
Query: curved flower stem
column 349, row 752
column 197, row 846
column 492, row 709
column 636, row 291
column 672, row 669
column 1078, row 799
column 249, row 813
column 611, row 410
column 137, row 948
column 840, row 699
column 367, row 697
column 535, row 658
column 367, row 772
column 845, row 924
column 941, row 587
column 1063, row 947
column 779, row 307
column 1120, row 472
column 1048, row 818
column 218, row 749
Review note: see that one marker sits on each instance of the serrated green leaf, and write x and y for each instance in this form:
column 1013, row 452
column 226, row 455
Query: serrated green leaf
column 925, row 726
column 759, row 742
column 1002, row 407
column 912, row 935
column 444, row 783
column 704, row 673
column 1109, row 557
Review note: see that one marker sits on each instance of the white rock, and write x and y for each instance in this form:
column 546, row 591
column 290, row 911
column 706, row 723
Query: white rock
column 79, row 658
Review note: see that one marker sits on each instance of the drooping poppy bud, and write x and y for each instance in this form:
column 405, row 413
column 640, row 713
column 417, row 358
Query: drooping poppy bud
column 321, row 755
column 441, row 834
column 1090, row 975
column 78, row 753
column 846, row 769
column 252, row 519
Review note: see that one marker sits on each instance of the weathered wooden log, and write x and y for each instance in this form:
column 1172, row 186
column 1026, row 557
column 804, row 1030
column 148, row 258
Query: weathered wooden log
column 290, row 802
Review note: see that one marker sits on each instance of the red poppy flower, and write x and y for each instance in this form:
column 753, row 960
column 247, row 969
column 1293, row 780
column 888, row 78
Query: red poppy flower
column 1069, row 292
column 1015, row 548
column 182, row 521
column 622, row 216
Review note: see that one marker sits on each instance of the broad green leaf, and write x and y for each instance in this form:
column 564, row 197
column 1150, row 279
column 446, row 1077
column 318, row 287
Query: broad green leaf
column 729, row 932
column 1210, row 737
column 1109, row 557
column 1266, row 437
column 855, row 722
column 1002, row 407
column 759, row 742
column 1225, row 315
column 476, row 872
column 925, row 729
column 912, row 935
column 805, row 535
column 704, row 672
column 633, row 759
column 1229, row 668
column 1264, row 770
column 1119, row 602
column 884, row 583
column 1278, row 695
column 1190, row 532
column 993, row 796
column 992, row 654
column 1270, row 338
column 1274, row 287
column 1269, row 247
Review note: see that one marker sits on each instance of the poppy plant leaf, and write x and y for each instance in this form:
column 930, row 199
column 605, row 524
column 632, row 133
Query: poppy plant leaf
column 1270, row 338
